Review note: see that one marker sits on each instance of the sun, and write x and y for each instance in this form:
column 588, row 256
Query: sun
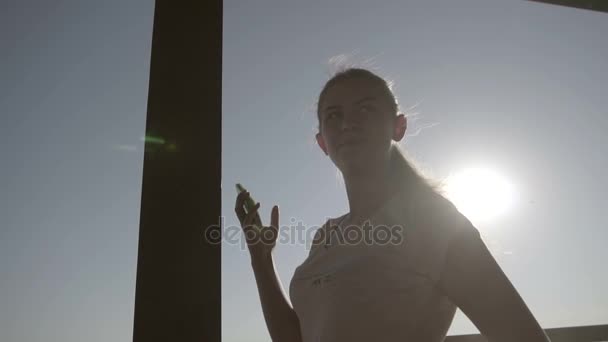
column 481, row 194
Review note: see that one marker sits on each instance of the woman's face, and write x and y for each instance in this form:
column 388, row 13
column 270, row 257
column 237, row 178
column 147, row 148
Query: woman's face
column 357, row 124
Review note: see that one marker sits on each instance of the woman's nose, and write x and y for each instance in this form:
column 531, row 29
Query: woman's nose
column 346, row 125
column 350, row 122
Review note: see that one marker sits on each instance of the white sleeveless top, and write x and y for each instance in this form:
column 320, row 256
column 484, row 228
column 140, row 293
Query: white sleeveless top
column 351, row 289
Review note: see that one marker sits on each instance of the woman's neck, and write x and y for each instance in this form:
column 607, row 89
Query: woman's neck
column 369, row 191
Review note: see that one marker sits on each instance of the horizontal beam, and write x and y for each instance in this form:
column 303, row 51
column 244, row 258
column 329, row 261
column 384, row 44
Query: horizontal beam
column 590, row 333
column 592, row 5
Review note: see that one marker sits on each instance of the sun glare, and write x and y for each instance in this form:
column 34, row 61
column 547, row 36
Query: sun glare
column 480, row 193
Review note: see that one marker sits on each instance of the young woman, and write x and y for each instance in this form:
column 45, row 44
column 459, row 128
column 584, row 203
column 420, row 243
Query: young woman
column 399, row 263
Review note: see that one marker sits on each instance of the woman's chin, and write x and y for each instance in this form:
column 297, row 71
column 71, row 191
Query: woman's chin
column 355, row 163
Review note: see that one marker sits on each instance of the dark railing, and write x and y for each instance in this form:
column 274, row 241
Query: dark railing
column 591, row 333
column 592, row 5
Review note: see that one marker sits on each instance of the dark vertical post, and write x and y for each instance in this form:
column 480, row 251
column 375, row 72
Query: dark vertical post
column 177, row 295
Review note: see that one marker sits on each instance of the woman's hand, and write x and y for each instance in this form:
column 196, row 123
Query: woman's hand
column 261, row 239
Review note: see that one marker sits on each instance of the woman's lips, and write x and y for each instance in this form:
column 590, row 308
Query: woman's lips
column 352, row 142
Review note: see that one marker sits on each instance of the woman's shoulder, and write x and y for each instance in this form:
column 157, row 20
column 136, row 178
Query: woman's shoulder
column 318, row 243
column 322, row 231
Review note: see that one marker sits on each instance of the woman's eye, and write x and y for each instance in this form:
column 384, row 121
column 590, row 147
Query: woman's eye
column 367, row 108
column 331, row 115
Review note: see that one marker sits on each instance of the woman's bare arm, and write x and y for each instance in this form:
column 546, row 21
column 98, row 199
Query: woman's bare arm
column 281, row 320
column 474, row 281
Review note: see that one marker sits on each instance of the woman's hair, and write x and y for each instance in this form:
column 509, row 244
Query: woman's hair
column 412, row 178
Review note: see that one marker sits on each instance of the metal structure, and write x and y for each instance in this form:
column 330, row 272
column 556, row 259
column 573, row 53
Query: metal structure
column 592, row 333
column 178, row 287
column 592, row 5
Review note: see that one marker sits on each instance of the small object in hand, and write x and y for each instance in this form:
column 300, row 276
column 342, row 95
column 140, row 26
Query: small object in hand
column 249, row 202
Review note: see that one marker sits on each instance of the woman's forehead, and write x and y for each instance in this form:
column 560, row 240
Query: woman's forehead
column 351, row 91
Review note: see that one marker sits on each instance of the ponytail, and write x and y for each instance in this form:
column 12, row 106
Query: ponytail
column 410, row 178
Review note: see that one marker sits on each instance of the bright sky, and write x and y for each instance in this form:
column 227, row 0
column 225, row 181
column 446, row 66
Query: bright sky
column 512, row 89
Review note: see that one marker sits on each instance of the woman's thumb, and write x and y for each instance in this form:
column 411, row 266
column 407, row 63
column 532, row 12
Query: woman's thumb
column 274, row 217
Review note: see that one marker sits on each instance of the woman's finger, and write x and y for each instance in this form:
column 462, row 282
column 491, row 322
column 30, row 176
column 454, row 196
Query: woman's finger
column 274, row 219
column 252, row 215
column 239, row 207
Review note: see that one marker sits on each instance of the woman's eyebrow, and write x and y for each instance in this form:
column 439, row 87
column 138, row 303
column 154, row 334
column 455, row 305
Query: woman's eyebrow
column 331, row 107
column 367, row 98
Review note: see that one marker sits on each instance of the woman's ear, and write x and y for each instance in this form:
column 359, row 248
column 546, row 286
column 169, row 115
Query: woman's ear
column 321, row 143
column 400, row 127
